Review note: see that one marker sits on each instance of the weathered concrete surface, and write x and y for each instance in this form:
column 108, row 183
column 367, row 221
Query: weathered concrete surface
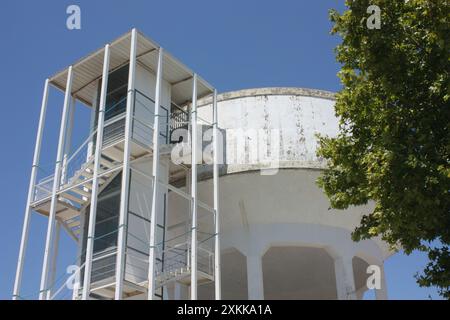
column 287, row 120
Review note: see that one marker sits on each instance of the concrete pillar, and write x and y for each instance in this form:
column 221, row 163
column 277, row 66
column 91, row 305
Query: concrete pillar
column 255, row 284
column 360, row 293
column 381, row 294
column 181, row 291
column 345, row 282
column 177, row 291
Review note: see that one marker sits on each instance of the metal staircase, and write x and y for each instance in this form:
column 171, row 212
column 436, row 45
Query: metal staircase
column 74, row 198
column 74, row 195
column 176, row 265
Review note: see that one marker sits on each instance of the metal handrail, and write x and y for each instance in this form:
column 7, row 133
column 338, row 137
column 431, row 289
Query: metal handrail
column 86, row 141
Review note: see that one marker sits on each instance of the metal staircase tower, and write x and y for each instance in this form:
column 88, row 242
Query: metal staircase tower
column 120, row 146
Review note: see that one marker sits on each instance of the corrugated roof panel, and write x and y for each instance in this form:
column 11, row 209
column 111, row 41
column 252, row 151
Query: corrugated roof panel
column 150, row 60
column 89, row 69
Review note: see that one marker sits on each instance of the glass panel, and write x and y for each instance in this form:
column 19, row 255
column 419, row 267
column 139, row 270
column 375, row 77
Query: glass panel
column 106, row 226
column 116, row 99
column 108, row 208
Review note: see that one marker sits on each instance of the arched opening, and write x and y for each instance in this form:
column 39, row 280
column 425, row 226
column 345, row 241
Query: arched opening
column 298, row 273
column 233, row 275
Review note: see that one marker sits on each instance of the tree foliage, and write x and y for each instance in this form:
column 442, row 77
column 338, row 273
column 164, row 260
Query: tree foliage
column 393, row 147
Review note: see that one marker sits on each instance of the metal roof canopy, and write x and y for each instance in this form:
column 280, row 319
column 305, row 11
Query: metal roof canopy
column 88, row 70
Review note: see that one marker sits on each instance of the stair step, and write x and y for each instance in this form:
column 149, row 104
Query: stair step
column 88, row 185
column 74, row 224
column 71, row 197
column 81, row 192
column 87, row 173
column 106, row 163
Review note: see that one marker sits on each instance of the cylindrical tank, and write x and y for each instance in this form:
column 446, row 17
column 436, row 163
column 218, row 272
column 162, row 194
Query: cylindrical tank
column 279, row 237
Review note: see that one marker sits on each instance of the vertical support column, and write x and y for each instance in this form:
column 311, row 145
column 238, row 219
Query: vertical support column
column 381, row 294
column 255, row 284
column 68, row 145
column 217, row 280
column 54, row 260
column 34, row 168
column 194, row 190
column 94, row 193
column 345, row 283
column 155, row 176
column 95, row 106
column 121, row 238
column 177, row 291
column 187, row 223
column 68, row 139
column 76, row 280
column 56, row 184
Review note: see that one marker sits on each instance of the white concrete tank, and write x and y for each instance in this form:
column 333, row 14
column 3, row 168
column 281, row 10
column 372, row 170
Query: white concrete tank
column 280, row 239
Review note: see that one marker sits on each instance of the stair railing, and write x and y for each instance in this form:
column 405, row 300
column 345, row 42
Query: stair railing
column 76, row 161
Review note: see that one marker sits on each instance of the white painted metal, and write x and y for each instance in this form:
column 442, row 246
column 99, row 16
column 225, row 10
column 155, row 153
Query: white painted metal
column 175, row 71
column 95, row 182
column 121, row 238
column 34, row 170
column 56, row 185
column 53, row 268
column 155, row 180
column 217, row 274
column 80, row 249
column 68, row 139
column 194, row 152
column 71, row 121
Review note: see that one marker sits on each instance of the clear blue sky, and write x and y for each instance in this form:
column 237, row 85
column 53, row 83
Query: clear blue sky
column 233, row 44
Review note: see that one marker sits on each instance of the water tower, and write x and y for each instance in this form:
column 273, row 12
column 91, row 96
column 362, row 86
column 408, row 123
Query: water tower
column 279, row 239
column 140, row 195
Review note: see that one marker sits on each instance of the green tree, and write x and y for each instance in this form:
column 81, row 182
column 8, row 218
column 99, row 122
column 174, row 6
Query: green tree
column 393, row 148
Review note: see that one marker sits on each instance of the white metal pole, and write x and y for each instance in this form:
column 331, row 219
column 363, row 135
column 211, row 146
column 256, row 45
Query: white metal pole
column 194, row 190
column 34, row 170
column 121, row 238
column 54, row 260
column 56, row 184
column 155, row 175
column 68, row 145
column 94, row 192
column 77, row 280
column 68, row 139
column 217, row 283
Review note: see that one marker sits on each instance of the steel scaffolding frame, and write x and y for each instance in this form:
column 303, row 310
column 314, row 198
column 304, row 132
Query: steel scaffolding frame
column 59, row 189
